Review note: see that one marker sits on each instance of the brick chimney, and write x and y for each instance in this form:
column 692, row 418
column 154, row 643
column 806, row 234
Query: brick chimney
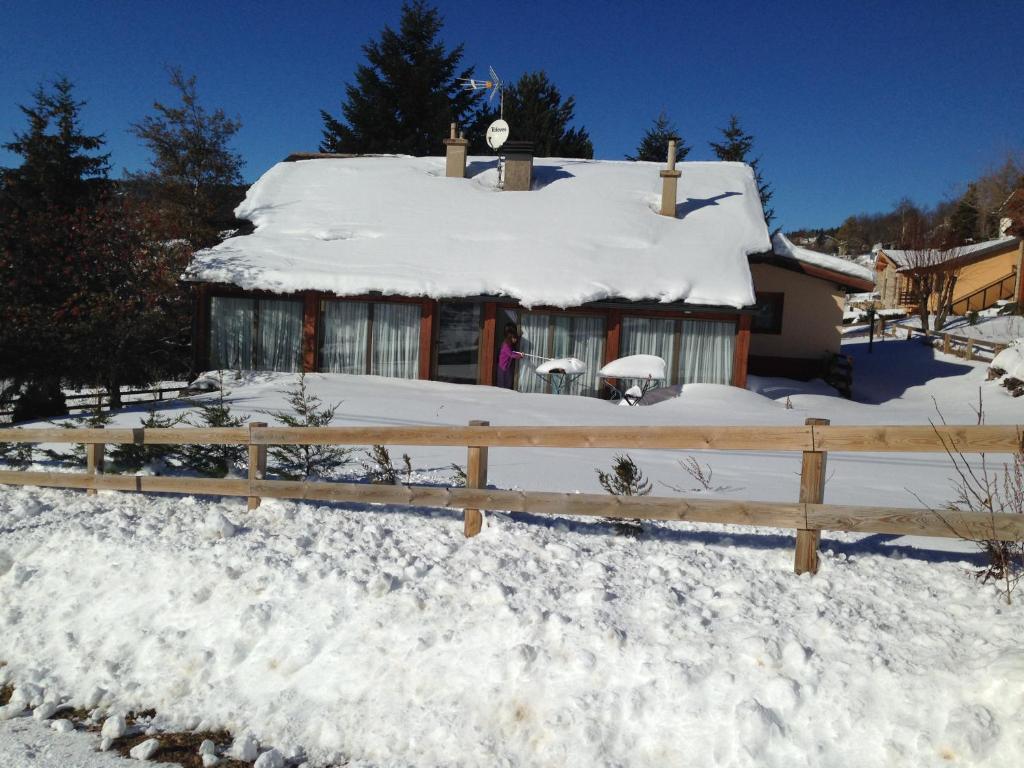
column 669, row 182
column 518, row 165
column 455, row 155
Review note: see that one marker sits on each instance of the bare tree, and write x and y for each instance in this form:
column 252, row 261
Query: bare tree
column 931, row 265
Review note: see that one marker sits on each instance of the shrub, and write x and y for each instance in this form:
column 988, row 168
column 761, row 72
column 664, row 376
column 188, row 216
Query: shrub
column 1013, row 385
column 18, row 454
column 216, row 460
column 625, row 479
column 133, row 457
column 304, row 461
column 85, row 420
column 994, row 372
column 381, row 471
column 973, row 317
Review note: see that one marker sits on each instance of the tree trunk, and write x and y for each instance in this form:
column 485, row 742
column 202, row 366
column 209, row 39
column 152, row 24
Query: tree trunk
column 114, row 394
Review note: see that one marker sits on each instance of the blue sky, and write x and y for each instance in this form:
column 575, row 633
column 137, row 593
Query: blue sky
column 853, row 105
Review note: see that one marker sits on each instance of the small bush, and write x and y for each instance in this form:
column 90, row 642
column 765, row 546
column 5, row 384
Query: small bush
column 216, row 460
column 625, row 479
column 459, row 479
column 381, row 471
column 133, row 457
column 18, row 454
column 973, row 317
column 84, row 420
column 1011, row 308
column 994, row 372
column 304, row 461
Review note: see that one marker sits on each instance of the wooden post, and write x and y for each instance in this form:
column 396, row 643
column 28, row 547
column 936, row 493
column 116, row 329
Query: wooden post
column 476, row 477
column 945, row 343
column 812, row 491
column 94, row 461
column 257, row 463
column 969, row 350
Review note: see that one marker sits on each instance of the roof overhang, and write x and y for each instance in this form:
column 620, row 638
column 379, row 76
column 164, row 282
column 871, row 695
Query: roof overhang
column 811, row 270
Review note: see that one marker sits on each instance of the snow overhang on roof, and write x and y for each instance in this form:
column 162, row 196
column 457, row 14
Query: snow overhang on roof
column 902, row 258
column 842, row 271
column 587, row 231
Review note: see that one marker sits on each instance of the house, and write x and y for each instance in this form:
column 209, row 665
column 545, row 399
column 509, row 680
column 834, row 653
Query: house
column 984, row 273
column 413, row 266
column 799, row 309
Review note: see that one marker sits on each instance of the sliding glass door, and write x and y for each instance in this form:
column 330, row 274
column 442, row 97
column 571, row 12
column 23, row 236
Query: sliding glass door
column 380, row 338
column 458, row 342
column 255, row 334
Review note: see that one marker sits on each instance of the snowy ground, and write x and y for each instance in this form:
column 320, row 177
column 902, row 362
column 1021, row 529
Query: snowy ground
column 380, row 636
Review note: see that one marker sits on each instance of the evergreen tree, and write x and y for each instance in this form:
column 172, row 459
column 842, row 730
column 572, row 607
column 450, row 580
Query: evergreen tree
column 735, row 147
column 407, row 93
column 536, row 111
column 39, row 203
column 305, row 461
column 654, row 144
column 195, row 171
column 58, row 159
column 216, row 460
column 963, row 223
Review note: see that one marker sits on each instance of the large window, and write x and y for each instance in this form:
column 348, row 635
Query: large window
column 693, row 350
column 381, row 338
column 549, row 336
column 255, row 334
column 768, row 313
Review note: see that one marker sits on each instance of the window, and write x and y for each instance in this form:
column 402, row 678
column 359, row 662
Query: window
column 380, row 338
column 550, row 336
column 255, row 334
column 768, row 317
column 693, row 350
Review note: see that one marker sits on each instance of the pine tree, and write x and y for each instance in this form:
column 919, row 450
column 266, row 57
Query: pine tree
column 60, row 175
column 216, row 460
column 536, row 111
column 653, row 146
column 304, row 461
column 195, row 172
column 58, row 159
column 735, row 147
column 406, row 94
column 963, row 223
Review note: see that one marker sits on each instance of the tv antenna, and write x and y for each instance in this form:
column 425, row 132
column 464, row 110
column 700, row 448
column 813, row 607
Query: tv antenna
column 494, row 84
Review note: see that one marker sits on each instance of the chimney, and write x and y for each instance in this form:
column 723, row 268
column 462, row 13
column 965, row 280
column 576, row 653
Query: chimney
column 669, row 182
column 518, row 165
column 455, row 156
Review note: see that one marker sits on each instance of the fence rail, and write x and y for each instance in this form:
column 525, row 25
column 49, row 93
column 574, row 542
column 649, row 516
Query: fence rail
column 970, row 347
column 96, row 399
column 809, row 515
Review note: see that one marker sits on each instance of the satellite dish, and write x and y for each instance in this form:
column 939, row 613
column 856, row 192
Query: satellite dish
column 497, row 133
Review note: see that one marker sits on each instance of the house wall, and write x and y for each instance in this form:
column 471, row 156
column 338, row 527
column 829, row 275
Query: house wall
column 888, row 281
column 812, row 314
column 976, row 276
column 490, row 331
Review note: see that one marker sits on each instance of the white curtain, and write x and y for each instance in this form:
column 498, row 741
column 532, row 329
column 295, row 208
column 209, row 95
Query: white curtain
column 231, row 333
column 533, row 329
column 396, row 340
column 345, row 328
column 650, row 336
column 581, row 337
column 707, row 349
column 280, row 335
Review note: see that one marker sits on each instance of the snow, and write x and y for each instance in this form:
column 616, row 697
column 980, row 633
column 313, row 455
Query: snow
column 145, row 750
column 782, row 246
column 564, row 364
column 589, row 230
column 1011, row 360
column 902, row 258
column 635, row 367
column 379, row 636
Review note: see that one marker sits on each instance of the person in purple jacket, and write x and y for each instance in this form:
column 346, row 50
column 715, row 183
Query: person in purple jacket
column 508, row 356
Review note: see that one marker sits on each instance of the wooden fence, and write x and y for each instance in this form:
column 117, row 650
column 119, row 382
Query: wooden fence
column 808, row 515
column 967, row 347
column 93, row 401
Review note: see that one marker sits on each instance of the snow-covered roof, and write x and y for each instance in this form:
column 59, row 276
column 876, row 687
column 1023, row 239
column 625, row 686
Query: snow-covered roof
column 903, row 258
column 588, row 230
column 784, row 247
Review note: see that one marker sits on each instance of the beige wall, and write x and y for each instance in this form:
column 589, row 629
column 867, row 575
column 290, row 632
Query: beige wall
column 982, row 273
column 812, row 313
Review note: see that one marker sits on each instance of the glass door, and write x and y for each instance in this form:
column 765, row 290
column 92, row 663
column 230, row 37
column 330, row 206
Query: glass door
column 458, row 342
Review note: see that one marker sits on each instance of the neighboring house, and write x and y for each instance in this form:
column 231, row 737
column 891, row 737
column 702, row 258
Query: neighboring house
column 984, row 272
column 800, row 296
column 412, row 267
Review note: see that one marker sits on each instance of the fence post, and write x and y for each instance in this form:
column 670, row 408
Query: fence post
column 945, row 343
column 812, row 491
column 93, row 461
column 969, row 350
column 476, row 477
column 257, row 463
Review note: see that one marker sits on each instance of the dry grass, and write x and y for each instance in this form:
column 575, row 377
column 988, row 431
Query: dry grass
column 6, row 692
column 182, row 748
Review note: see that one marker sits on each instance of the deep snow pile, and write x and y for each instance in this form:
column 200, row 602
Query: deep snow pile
column 379, row 635
column 589, row 230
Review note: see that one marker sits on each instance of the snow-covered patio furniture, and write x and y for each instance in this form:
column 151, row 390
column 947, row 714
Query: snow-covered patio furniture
column 561, row 373
column 646, row 370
